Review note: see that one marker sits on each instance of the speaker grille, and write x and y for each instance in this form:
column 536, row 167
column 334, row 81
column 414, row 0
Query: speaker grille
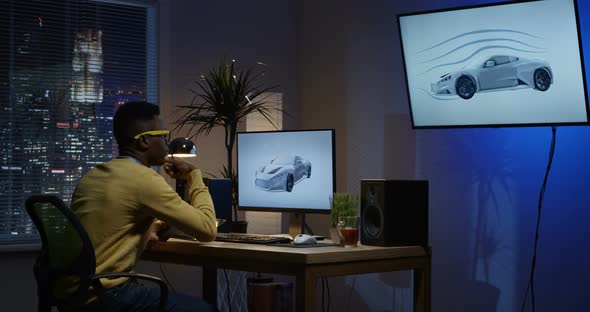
column 372, row 222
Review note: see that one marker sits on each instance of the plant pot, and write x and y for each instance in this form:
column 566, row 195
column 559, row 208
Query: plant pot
column 238, row 226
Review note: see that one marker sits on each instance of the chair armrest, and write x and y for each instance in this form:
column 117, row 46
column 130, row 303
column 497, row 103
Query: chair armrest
column 160, row 282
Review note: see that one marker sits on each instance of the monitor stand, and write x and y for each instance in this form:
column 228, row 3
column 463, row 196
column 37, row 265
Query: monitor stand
column 296, row 223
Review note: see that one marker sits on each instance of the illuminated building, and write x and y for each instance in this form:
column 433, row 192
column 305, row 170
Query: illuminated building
column 55, row 117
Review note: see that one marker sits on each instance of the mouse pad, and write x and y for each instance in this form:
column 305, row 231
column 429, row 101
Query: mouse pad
column 304, row 246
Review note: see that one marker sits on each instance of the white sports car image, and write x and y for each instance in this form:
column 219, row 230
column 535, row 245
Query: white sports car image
column 495, row 73
column 282, row 173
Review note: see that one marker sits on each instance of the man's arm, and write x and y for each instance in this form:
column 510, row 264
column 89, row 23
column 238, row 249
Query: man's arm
column 196, row 219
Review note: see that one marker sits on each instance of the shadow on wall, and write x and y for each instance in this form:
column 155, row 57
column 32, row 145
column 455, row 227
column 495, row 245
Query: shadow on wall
column 484, row 230
column 472, row 217
column 493, row 222
column 472, row 220
column 484, row 190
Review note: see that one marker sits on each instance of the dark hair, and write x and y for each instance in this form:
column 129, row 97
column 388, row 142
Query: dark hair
column 130, row 120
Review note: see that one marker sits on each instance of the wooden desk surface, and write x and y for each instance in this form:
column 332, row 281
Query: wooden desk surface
column 251, row 257
column 306, row 264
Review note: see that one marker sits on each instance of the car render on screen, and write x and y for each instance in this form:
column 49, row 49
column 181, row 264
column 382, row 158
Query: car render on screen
column 282, row 173
column 495, row 73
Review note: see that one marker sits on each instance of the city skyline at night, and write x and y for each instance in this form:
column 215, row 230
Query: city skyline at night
column 69, row 70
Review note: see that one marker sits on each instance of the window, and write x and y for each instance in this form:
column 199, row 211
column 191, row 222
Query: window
column 65, row 66
column 500, row 60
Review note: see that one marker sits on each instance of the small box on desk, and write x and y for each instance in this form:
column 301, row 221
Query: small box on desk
column 394, row 212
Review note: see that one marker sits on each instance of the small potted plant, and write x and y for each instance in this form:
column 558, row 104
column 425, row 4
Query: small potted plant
column 342, row 205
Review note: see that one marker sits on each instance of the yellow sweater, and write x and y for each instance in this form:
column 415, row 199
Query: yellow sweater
column 117, row 202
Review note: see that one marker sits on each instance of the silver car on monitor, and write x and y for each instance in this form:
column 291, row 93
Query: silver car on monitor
column 495, row 73
column 282, row 173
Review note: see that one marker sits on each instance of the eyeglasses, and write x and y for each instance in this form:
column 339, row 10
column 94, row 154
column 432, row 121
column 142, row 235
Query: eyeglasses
column 162, row 133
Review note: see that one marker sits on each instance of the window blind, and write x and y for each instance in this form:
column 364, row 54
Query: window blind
column 65, row 67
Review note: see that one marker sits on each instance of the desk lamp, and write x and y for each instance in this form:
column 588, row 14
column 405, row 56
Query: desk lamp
column 182, row 147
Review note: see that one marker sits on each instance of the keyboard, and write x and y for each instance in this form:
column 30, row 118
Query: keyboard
column 251, row 238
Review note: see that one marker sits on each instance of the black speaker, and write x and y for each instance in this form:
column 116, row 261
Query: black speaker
column 394, row 212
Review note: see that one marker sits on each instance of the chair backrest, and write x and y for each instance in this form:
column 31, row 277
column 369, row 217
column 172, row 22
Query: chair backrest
column 66, row 250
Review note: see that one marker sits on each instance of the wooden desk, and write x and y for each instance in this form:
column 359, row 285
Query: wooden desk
column 306, row 264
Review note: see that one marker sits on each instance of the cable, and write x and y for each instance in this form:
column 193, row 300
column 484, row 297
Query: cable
column 308, row 229
column 323, row 281
column 227, row 283
column 166, row 278
column 531, row 283
column 328, row 287
column 351, row 290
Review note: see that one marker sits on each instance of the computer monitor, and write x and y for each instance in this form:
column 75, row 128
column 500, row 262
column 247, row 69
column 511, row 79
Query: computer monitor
column 515, row 63
column 286, row 171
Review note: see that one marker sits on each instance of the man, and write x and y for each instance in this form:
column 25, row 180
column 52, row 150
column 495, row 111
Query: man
column 119, row 201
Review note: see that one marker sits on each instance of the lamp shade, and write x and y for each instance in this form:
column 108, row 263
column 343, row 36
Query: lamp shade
column 182, row 147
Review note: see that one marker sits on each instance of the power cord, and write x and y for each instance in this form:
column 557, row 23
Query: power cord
column 350, row 295
column 166, row 278
column 531, row 283
column 327, row 287
column 323, row 287
column 227, row 283
column 308, row 229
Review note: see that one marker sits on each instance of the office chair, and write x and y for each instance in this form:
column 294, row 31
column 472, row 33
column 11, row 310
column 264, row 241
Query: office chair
column 68, row 251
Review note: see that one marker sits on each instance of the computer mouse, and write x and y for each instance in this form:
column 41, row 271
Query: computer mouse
column 304, row 239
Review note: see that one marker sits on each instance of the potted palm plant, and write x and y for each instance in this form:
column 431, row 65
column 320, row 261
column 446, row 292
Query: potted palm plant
column 222, row 98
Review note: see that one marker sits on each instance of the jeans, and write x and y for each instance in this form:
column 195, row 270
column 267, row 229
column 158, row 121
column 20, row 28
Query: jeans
column 132, row 296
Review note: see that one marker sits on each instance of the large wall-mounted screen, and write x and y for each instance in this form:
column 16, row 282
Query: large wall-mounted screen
column 507, row 64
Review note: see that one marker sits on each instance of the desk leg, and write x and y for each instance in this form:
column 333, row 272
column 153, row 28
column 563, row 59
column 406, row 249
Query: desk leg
column 422, row 286
column 210, row 285
column 305, row 291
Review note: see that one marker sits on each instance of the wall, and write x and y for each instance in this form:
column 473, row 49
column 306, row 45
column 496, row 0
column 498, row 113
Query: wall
column 196, row 35
column 20, row 290
column 339, row 65
column 484, row 183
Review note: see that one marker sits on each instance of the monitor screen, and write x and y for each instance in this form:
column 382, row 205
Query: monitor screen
column 507, row 64
column 286, row 170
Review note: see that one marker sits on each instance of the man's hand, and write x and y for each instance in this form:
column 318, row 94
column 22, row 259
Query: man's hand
column 177, row 168
column 158, row 227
